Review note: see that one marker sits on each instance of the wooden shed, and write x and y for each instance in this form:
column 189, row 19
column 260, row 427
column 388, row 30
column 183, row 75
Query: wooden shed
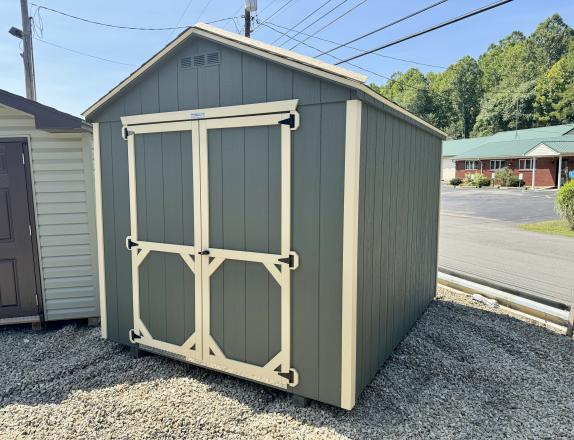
column 48, row 252
column 281, row 217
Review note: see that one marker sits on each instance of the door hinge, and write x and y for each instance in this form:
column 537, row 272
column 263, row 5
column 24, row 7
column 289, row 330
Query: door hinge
column 292, row 376
column 133, row 336
column 126, row 133
column 130, row 243
column 290, row 121
column 288, row 260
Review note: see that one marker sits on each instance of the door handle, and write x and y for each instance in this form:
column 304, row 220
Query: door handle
column 204, row 252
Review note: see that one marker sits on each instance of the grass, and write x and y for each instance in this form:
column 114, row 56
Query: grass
column 554, row 227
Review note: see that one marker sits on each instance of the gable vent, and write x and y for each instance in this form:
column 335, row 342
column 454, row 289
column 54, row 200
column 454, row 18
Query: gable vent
column 201, row 60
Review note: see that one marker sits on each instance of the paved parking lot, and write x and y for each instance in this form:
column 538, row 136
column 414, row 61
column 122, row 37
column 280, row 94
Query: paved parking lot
column 479, row 237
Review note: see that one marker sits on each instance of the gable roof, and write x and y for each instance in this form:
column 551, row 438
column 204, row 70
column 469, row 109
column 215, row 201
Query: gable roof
column 45, row 118
column 460, row 147
column 557, row 146
column 504, row 149
column 268, row 51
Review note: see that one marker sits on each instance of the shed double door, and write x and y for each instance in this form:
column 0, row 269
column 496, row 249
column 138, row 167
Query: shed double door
column 210, row 242
column 18, row 287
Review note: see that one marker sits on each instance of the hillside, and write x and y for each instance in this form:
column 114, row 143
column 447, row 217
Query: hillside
column 524, row 80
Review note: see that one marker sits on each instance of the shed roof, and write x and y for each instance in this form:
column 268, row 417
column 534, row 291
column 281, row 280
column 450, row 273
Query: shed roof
column 45, row 118
column 265, row 50
column 455, row 147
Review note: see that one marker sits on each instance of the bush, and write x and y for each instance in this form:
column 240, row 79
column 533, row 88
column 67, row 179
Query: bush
column 455, row 181
column 506, row 177
column 565, row 203
column 476, row 179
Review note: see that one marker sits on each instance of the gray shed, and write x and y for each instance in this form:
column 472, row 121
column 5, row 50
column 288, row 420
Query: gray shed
column 48, row 257
column 281, row 217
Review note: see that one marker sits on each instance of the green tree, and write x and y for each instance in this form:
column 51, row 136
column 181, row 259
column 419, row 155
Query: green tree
column 554, row 92
column 551, row 40
column 410, row 90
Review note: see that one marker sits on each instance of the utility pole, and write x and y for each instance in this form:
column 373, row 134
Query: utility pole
column 250, row 6
column 28, row 55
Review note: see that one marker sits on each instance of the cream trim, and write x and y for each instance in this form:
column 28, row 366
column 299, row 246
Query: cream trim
column 100, row 229
column 542, row 150
column 350, row 254
column 278, row 55
column 209, row 113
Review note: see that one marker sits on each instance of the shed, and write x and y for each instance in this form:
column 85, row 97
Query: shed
column 281, row 217
column 48, row 252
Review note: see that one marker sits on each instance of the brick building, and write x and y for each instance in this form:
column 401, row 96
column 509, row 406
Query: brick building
column 539, row 155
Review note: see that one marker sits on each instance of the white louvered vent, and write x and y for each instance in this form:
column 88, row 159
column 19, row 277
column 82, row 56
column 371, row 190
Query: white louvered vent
column 201, row 60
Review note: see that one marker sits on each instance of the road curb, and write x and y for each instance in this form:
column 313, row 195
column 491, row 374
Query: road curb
column 561, row 316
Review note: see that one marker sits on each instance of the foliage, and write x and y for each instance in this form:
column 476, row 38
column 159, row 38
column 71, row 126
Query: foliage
column 506, row 177
column 554, row 227
column 519, row 82
column 455, row 181
column 476, row 179
column 565, row 203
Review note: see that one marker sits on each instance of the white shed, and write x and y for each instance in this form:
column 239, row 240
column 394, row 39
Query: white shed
column 48, row 261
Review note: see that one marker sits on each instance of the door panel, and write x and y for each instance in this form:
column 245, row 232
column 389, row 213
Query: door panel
column 164, row 231
column 245, row 215
column 17, row 260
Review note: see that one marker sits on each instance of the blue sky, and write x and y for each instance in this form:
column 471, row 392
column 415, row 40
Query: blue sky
column 71, row 82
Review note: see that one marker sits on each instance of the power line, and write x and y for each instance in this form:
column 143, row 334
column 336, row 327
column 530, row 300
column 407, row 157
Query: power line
column 304, row 19
column 315, row 21
column 203, row 10
column 430, row 29
column 331, row 22
column 280, row 9
column 181, row 17
column 82, row 53
column 357, row 48
column 133, row 28
column 406, row 17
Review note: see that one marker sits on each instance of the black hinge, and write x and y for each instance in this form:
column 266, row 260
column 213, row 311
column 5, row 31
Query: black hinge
column 288, row 260
column 130, row 244
column 290, row 376
column 133, row 335
column 290, row 121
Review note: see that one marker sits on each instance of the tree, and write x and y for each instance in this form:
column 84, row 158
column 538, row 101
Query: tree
column 551, row 40
column 554, row 92
column 410, row 90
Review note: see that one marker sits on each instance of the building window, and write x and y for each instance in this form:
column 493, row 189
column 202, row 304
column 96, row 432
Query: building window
column 470, row 165
column 497, row 164
column 525, row 164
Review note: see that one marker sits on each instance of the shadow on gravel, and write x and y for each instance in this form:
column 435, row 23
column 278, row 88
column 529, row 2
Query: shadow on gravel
column 462, row 372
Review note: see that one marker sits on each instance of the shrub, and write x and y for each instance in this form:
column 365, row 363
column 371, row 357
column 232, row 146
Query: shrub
column 565, row 203
column 476, row 179
column 455, row 181
column 506, row 177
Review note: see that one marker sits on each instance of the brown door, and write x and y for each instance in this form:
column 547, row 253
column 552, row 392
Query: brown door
column 17, row 262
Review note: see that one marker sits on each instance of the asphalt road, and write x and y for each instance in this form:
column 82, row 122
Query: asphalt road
column 480, row 237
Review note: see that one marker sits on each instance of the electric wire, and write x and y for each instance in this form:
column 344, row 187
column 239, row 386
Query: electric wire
column 180, row 18
column 326, row 40
column 386, row 26
column 315, row 21
column 332, row 21
column 430, row 29
column 279, row 10
column 83, row 53
column 133, row 28
column 304, row 19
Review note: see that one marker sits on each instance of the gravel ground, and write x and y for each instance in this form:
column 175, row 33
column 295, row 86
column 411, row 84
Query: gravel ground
column 464, row 371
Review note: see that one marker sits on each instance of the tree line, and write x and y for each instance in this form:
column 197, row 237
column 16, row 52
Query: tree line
column 520, row 82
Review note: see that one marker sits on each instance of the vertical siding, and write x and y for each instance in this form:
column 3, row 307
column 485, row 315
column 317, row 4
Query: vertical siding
column 317, row 193
column 62, row 180
column 398, row 224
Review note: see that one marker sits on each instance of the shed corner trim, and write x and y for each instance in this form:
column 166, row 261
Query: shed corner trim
column 100, row 229
column 350, row 253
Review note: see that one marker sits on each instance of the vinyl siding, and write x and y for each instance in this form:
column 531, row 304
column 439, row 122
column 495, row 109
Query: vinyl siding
column 62, row 181
column 317, row 192
column 398, row 224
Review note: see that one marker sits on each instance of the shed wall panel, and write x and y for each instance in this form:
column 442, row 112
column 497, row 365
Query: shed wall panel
column 398, row 224
column 62, row 178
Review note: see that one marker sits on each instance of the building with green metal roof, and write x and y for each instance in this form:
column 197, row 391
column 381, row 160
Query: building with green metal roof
column 542, row 157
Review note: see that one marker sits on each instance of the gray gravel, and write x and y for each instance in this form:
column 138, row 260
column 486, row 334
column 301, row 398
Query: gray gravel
column 465, row 371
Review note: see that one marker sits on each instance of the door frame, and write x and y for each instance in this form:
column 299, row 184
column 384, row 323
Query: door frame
column 277, row 371
column 25, row 141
